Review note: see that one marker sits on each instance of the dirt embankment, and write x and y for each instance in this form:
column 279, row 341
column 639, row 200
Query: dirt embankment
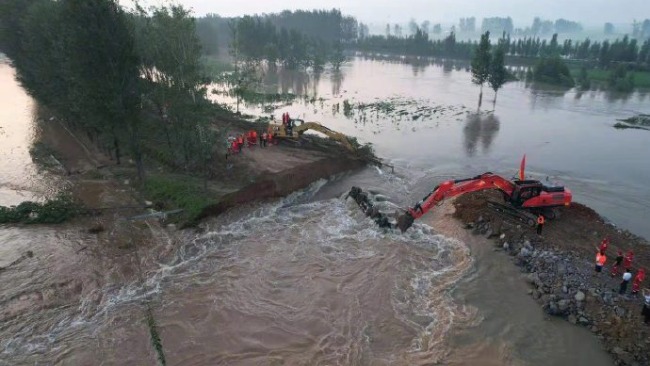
column 560, row 267
column 282, row 183
column 254, row 174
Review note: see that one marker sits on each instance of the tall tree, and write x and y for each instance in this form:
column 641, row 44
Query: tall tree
column 498, row 74
column 481, row 64
column 105, row 64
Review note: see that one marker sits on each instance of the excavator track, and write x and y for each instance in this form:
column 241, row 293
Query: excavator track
column 512, row 213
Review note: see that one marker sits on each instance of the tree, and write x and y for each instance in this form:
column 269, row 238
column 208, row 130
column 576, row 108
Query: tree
column 481, row 64
column 620, row 80
column 170, row 51
column 498, row 75
column 425, row 26
column 246, row 78
column 413, row 26
column 553, row 71
column 338, row 57
column 105, row 69
column 583, row 79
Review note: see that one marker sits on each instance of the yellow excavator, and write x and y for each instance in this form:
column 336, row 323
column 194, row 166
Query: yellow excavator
column 297, row 127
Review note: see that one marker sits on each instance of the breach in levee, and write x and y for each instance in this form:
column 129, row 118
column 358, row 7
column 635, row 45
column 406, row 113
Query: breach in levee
column 524, row 199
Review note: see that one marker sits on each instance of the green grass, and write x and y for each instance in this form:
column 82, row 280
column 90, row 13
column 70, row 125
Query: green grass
column 641, row 78
column 156, row 342
column 179, row 192
column 54, row 211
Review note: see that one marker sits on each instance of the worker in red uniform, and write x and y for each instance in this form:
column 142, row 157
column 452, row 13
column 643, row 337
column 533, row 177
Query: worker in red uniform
column 540, row 224
column 240, row 142
column 636, row 285
column 627, row 261
column 604, row 244
column 269, row 136
column 601, row 258
column 617, row 263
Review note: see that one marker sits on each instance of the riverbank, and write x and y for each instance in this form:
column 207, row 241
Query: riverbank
column 560, row 270
column 255, row 174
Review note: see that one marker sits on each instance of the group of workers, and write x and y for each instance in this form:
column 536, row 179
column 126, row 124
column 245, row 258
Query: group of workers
column 624, row 262
column 251, row 138
column 288, row 123
column 264, row 138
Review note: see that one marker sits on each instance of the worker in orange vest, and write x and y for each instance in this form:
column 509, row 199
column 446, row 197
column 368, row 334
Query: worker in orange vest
column 601, row 258
column 636, row 285
column 540, row 224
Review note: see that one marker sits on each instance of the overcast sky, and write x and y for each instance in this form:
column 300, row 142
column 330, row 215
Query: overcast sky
column 588, row 12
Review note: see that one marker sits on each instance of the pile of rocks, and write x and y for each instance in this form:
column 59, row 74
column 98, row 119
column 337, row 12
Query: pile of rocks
column 566, row 285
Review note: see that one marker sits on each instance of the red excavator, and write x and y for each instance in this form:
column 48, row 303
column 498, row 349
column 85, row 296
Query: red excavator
column 524, row 199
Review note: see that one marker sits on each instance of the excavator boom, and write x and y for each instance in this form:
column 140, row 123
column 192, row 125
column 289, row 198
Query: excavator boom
column 527, row 194
column 299, row 127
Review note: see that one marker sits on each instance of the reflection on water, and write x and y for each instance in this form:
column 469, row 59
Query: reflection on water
column 300, row 82
column 336, row 79
column 20, row 178
column 479, row 126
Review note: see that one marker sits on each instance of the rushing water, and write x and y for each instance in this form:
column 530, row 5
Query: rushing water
column 308, row 279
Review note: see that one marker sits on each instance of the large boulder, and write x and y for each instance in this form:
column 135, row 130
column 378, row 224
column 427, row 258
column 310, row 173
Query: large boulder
column 563, row 305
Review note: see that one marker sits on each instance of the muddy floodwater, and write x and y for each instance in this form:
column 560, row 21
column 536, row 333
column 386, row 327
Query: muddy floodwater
column 308, row 280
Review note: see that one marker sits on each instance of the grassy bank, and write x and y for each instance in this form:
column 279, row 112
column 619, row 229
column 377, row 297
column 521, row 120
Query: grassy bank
column 641, row 78
column 54, row 211
column 169, row 192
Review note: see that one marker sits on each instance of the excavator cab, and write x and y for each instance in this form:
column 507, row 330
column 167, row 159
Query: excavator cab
column 532, row 194
column 525, row 190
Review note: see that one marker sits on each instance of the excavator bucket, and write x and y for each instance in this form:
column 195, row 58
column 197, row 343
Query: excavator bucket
column 364, row 201
column 405, row 221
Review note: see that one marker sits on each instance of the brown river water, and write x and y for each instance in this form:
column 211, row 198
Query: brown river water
column 308, row 280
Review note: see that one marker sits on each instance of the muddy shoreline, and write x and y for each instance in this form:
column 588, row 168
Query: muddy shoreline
column 559, row 269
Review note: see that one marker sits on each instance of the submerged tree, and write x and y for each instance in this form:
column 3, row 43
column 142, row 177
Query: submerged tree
column 481, row 64
column 498, row 75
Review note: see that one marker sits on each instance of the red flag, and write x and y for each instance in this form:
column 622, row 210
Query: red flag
column 522, row 167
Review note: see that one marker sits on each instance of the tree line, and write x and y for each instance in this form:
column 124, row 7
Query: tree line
column 625, row 49
column 294, row 39
column 131, row 81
